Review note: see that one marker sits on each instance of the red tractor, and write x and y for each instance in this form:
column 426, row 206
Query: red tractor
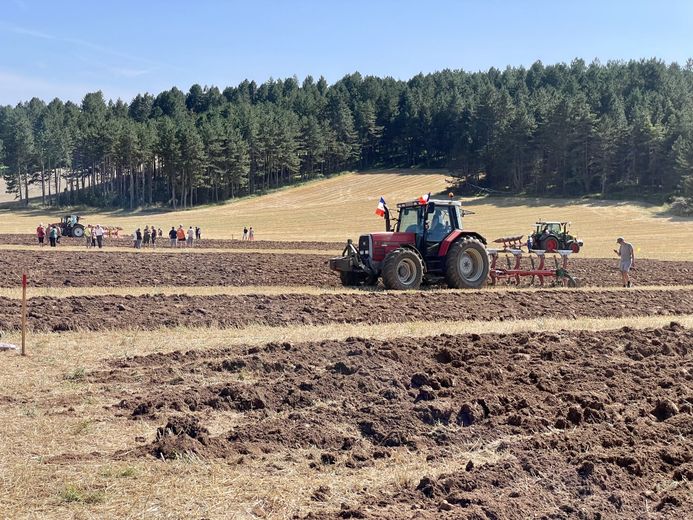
column 428, row 242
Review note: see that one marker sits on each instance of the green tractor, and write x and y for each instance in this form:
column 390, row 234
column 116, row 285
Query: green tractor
column 553, row 236
column 70, row 226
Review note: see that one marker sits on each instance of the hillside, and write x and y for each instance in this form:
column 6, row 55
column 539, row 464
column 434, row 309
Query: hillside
column 341, row 207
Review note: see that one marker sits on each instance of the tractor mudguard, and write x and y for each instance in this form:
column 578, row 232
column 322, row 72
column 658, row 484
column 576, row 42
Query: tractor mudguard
column 454, row 237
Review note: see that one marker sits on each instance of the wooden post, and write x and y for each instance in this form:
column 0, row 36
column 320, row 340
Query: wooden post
column 24, row 314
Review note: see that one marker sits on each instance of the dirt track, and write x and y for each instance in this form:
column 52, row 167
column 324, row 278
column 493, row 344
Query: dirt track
column 114, row 312
column 55, row 268
column 559, row 422
column 126, row 242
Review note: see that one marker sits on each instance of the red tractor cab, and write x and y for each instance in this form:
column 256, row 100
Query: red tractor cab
column 427, row 242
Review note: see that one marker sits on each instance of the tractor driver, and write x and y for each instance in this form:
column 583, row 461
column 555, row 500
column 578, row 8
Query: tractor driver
column 440, row 227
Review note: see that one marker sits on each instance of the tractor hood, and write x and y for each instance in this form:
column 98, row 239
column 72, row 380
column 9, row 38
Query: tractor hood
column 393, row 238
column 386, row 241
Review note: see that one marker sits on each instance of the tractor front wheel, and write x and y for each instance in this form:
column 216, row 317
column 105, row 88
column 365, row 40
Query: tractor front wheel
column 466, row 264
column 349, row 278
column 78, row 231
column 574, row 247
column 402, row 270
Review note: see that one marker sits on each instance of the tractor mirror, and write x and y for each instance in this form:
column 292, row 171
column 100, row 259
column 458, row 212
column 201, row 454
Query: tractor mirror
column 431, row 207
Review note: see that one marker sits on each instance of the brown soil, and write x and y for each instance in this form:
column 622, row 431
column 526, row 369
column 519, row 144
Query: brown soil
column 56, row 268
column 572, row 424
column 63, row 314
column 92, row 268
column 126, row 241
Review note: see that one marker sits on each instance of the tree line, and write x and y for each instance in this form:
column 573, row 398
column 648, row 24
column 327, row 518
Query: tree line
column 564, row 129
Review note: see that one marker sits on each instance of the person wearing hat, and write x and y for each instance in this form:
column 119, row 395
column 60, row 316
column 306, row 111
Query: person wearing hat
column 627, row 254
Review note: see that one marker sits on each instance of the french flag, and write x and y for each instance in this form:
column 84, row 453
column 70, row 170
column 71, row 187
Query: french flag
column 423, row 199
column 380, row 210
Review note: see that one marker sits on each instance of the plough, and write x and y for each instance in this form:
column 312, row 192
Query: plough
column 512, row 248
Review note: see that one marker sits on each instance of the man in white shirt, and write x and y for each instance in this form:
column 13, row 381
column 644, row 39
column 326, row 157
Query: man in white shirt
column 191, row 236
column 98, row 232
column 627, row 255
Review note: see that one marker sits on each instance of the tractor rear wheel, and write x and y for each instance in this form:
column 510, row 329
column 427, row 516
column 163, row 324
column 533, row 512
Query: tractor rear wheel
column 402, row 270
column 466, row 264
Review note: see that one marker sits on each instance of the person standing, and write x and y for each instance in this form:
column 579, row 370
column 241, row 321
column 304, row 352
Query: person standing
column 172, row 237
column 245, row 233
column 98, row 233
column 180, row 234
column 191, row 236
column 87, row 236
column 138, row 239
column 627, row 255
column 41, row 234
column 53, row 236
column 153, row 237
column 198, row 233
column 251, row 234
column 147, row 236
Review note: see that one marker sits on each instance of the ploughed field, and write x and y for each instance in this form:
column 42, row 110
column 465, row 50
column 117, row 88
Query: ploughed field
column 65, row 268
column 172, row 403
column 231, row 311
column 556, row 425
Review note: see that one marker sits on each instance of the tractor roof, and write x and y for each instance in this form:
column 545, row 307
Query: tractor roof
column 541, row 222
column 438, row 202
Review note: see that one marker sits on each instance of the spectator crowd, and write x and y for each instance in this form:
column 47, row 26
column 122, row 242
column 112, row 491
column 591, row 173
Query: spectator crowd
column 149, row 237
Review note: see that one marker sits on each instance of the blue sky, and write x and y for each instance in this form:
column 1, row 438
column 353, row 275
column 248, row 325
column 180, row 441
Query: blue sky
column 67, row 48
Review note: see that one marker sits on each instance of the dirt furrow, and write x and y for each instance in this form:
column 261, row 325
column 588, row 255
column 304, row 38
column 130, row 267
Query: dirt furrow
column 55, row 268
column 149, row 311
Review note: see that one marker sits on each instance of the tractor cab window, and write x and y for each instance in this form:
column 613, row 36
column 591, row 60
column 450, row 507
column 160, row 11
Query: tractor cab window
column 553, row 228
column 439, row 224
column 409, row 220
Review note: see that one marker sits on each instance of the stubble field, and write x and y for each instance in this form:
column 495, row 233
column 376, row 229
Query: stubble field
column 242, row 381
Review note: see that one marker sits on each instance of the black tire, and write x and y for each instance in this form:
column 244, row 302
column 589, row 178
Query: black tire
column 371, row 281
column 349, row 278
column 402, row 270
column 466, row 264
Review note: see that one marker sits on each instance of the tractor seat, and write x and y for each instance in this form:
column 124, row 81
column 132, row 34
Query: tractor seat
column 411, row 229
